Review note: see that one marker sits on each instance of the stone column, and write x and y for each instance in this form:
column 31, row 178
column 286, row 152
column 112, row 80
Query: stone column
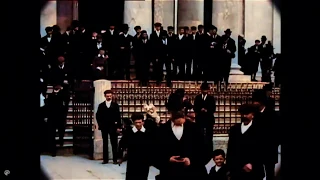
column 48, row 16
column 65, row 12
column 229, row 15
column 276, row 39
column 138, row 13
column 99, row 87
column 190, row 12
column 164, row 12
column 258, row 20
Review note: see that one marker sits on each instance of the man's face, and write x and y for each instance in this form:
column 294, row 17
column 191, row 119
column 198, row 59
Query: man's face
column 108, row 96
column 125, row 31
column 138, row 31
column 248, row 116
column 60, row 59
column 257, row 43
column 101, row 52
column 144, row 35
column 214, row 31
column 94, row 34
column 157, row 28
column 179, row 122
column 204, row 91
column 200, row 29
column 194, row 31
column 186, row 31
column 138, row 123
column 170, row 31
column 268, row 93
column 111, row 27
column 228, row 34
column 181, row 31
column 50, row 32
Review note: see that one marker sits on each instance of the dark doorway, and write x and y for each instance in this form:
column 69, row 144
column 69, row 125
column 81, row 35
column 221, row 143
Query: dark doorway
column 98, row 14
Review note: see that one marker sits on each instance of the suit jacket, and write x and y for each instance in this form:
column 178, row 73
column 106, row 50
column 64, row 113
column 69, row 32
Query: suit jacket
column 267, row 121
column 157, row 43
column 204, row 118
column 190, row 145
column 245, row 148
column 60, row 76
column 221, row 174
column 231, row 45
column 108, row 118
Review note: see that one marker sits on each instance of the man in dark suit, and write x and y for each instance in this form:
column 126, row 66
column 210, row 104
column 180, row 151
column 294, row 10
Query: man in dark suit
column 228, row 50
column 267, row 121
column 245, row 149
column 156, row 39
column 109, row 122
column 266, row 52
column 144, row 52
column 204, row 108
column 270, row 103
column 181, row 150
column 181, row 48
column 171, row 45
column 125, row 44
column 55, row 109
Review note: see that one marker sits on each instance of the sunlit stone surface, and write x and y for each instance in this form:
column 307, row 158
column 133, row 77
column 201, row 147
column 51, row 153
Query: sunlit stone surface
column 138, row 13
column 48, row 16
column 190, row 12
column 164, row 12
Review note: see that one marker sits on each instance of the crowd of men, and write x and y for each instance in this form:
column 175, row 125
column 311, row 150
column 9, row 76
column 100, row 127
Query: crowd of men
column 180, row 148
column 196, row 53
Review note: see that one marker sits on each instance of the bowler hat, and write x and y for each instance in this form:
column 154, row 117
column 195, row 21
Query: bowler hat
column 228, row 31
column 248, row 108
column 204, row 86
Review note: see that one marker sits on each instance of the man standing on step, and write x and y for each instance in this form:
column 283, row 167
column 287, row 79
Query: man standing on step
column 109, row 122
column 204, row 108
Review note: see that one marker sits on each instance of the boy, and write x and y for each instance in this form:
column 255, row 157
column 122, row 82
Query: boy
column 220, row 170
column 138, row 141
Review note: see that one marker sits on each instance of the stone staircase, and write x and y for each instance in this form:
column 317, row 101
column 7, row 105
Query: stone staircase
column 131, row 98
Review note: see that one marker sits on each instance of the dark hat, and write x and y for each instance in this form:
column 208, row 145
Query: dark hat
column 204, row 86
column 193, row 28
column 125, row 27
column 170, row 28
column 257, row 41
column 212, row 27
column 157, row 24
column 57, row 86
column 248, row 108
column 143, row 31
column 48, row 29
column 186, row 28
column 259, row 95
column 180, row 91
column 228, row 31
column 263, row 38
column 268, row 87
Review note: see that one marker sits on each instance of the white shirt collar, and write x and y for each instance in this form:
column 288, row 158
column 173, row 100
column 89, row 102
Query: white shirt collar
column 204, row 96
column 217, row 168
column 100, row 70
column 99, row 55
column 244, row 128
column 134, row 129
column 125, row 35
column 262, row 110
column 108, row 103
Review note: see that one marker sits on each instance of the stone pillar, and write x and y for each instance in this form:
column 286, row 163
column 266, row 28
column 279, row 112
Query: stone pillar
column 99, row 87
column 65, row 12
column 138, row 13
column 164, row 12
column 276, row 39
column 258, row 20
column 229, row 15
column 48, row 16
column 190, row 12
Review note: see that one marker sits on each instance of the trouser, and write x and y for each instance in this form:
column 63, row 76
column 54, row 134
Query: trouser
column 208, row 135
column 114, row 144
column 270, row 172
column 158, row 69
column 53, row 126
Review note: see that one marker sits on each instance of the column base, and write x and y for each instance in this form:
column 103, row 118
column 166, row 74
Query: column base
column 98, row 149
column 237, row 76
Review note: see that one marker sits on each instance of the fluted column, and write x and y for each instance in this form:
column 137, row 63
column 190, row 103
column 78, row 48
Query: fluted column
column 164, row 12
column 138, row 13
column 228, row 14
column 258, row 20
column 66, row 10
column 276, row 39
column 99, row 87
column 48, row 16
column 190, row 12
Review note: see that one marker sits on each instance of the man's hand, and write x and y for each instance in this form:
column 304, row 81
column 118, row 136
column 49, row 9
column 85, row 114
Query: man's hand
column 186, row 161
column 175, row 159
column 121, row 47
column 212, row 47
column 172, row 60
column 228, row 51
column 203, row 110
column 247, row 167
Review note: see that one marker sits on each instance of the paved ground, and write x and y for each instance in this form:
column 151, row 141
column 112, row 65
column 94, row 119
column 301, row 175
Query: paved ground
column 75, row 167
